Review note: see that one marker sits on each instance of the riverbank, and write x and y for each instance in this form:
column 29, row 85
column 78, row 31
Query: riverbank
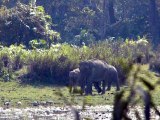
column 66, row 113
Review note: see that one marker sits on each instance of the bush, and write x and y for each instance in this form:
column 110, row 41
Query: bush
column 155, row 65
column 50, row 67
column 139, row 50
column 38, row 44
column 53, row 65
column 85, row 37
column 123, row 66
column 23, row 23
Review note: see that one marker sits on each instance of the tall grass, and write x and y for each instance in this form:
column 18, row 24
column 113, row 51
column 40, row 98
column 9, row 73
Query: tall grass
column 53, row 65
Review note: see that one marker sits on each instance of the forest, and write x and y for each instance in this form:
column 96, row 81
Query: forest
column 42, row 42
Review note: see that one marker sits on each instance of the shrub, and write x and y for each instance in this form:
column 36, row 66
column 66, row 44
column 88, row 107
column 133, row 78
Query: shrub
column 85, row 37
column 49, row 70
column 14, row 56
column 38, row 44
column 23, row 23
column 139, row 50
column 155, row 65
column 123, row 67
column 53, row 65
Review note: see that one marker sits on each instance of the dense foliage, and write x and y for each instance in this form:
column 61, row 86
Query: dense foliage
column 116, row 31
column 24, row 23
column 53, row 65
column 97, row 19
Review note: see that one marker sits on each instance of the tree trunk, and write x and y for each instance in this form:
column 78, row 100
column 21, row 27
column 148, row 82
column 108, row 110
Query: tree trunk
column 112, row 18
column 154, row 25
column 104, row 19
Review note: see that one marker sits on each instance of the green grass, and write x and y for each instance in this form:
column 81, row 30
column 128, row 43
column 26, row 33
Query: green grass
column 14, row 91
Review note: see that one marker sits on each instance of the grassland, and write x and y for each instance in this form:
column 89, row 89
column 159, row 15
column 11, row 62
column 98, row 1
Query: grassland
column 14, row 91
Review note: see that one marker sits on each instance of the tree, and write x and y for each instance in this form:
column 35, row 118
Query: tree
column 23, row 23
column 111, row 11
column 102, row 18
column 154, row 22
